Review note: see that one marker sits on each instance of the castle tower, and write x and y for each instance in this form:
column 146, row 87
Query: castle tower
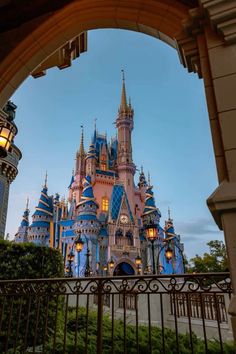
column 75, row 186
column 175, row 264
column 142, row 184
column 80, row 158
column 39, row 230
column 87, row 223
column 91, row 162
column 125, row 165
column 8, row 169
column 22, row 233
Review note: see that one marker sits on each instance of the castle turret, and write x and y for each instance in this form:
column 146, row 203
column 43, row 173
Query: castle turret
column 39, row 230
column 22, row 233
column 87, row 224
column 125, row 165
column 91, row 160
column 8, row 167
column 80, row 157
column 142, row 184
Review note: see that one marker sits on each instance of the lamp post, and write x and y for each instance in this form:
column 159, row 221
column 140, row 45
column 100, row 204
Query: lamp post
column 71, row 257
column 87, row 271
column 105, row 270
column 168, row 253
column 151, row 231
column 111, row 264
column 138, row 262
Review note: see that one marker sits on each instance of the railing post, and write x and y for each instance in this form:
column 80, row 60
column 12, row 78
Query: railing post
column 99, row 316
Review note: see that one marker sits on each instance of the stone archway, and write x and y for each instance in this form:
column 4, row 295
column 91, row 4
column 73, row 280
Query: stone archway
column 204, row 33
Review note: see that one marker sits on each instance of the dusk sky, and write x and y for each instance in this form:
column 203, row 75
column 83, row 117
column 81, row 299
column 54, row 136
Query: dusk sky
column 171, row 136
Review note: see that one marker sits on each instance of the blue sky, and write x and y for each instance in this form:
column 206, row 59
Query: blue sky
column 171, row 136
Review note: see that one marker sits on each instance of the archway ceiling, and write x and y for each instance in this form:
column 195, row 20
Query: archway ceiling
column 14, row 13
column 32, row 31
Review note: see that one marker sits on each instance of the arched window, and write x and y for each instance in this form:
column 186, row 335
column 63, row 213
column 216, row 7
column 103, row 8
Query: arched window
column 105, row 204
column 118, row 237
column 103, row 162
column 129, row 236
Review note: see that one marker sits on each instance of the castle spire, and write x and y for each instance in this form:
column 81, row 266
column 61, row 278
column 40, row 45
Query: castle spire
column 81, row 148
column 123, row 102
column 46, row 180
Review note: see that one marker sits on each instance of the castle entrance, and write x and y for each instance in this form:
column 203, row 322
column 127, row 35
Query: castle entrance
column 123, row 268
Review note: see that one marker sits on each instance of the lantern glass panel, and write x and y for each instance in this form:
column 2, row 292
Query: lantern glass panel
column 152, row 233
column 169, row 254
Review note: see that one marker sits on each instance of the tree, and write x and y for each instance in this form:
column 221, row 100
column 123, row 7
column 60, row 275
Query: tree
column 214, row 261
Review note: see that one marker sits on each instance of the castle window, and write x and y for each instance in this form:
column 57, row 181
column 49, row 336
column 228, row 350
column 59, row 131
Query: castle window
column 103, row 166
column 105, row 204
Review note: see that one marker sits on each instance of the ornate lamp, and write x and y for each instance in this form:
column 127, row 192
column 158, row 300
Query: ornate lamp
column 151, row 232
column 138, row 260
column 111, row 263
column 169, row 253
column 7, row 131
column 79, row 244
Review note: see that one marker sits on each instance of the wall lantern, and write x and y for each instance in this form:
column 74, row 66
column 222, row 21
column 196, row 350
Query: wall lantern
column 6, row 137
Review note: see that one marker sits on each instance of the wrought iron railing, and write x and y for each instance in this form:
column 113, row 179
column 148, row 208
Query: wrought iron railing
column 135, row 314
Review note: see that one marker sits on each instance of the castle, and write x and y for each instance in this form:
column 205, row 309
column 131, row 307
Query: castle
column 107, row 211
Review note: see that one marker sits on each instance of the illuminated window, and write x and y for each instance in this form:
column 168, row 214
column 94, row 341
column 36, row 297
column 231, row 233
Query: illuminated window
column 105, row 204
column 103, row 167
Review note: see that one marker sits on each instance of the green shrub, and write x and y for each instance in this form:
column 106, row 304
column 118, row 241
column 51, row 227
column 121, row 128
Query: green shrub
column 131, row 343
column 28, row 261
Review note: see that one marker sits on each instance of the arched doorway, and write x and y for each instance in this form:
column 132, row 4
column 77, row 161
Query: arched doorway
column 123, row 268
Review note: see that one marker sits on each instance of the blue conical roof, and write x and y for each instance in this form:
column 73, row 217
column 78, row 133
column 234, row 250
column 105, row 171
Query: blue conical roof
column 150, row 205
column 87, row 196
column 45, row 206
column 91, row 152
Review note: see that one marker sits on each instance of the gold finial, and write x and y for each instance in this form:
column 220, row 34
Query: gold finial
column 46, row 179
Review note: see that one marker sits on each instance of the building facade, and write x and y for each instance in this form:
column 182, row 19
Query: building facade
column 8, row 169
column 108, row 211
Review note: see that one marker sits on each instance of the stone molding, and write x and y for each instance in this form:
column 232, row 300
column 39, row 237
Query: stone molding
column 222, row 16
column 223, row 200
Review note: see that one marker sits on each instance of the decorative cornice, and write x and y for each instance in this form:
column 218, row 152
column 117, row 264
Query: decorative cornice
column 222, row 16
column 223, row 200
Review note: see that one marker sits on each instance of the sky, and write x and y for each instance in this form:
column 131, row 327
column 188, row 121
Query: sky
column 171, row 136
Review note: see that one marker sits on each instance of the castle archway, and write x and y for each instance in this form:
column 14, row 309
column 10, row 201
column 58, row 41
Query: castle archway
column 204, row 32
column 123, row 268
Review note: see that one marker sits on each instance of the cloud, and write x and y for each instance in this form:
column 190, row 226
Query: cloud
column 197, row 227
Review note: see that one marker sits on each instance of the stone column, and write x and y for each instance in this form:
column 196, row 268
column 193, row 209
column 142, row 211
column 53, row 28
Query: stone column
column 209, row 48
column 4, row 195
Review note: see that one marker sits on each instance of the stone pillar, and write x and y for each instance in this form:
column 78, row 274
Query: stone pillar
column 208, row 47
column 4, row 195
